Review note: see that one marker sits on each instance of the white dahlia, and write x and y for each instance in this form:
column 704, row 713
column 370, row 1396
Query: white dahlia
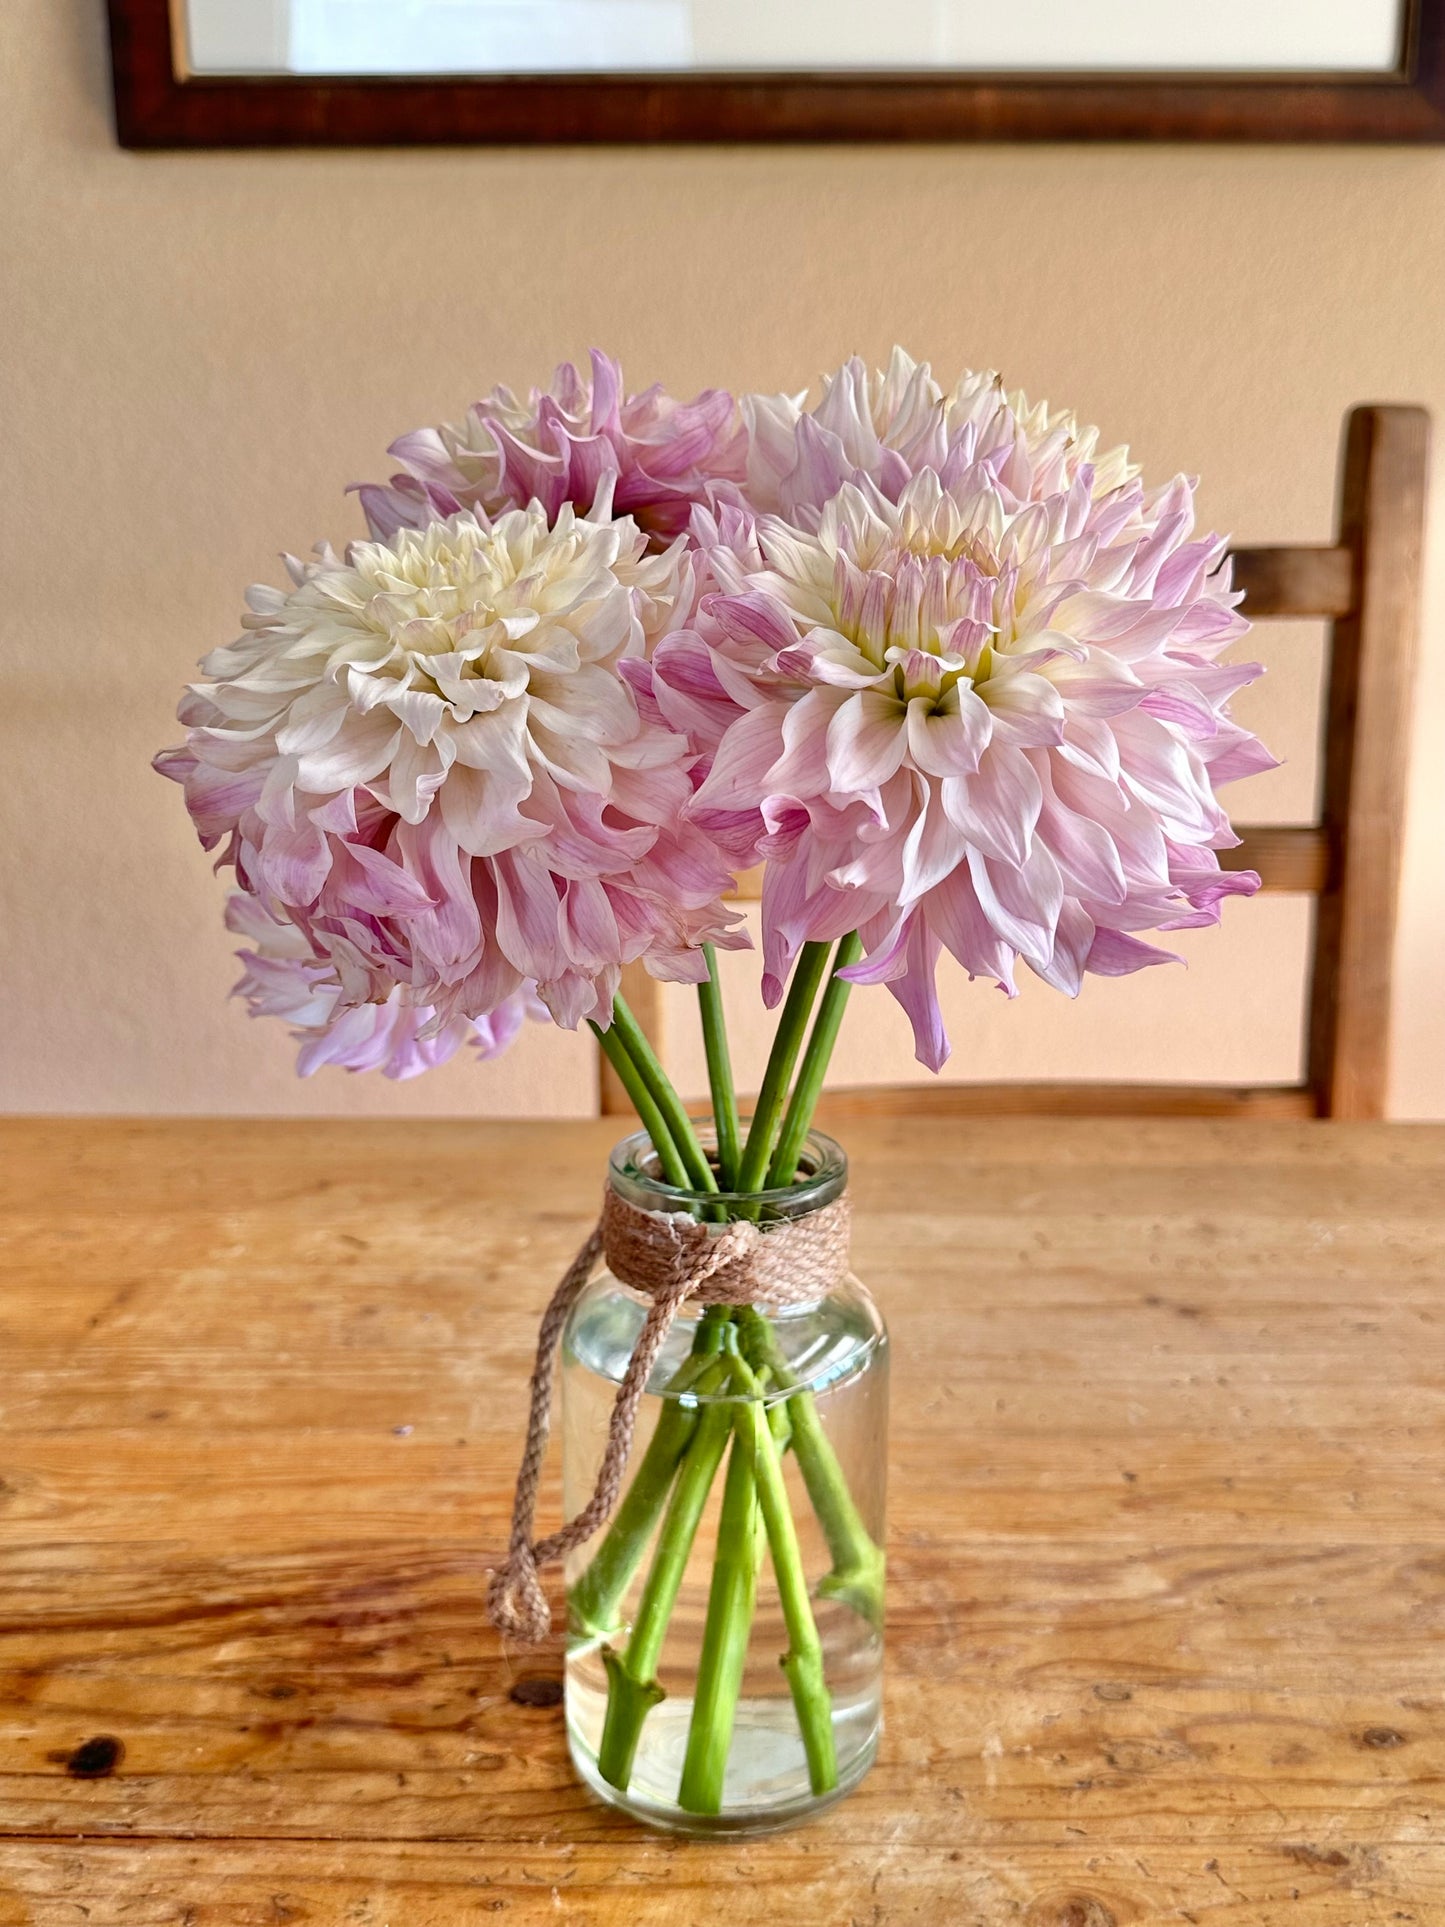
column 423, row 756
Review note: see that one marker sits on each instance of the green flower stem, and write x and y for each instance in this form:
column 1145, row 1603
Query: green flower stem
column 858, row 1562
column 592, row 1604
column 811, row 969
column 731, row 1603
column 814, row 1067
column 719, row 1071
column 778, row 1416
column 632, row 1686
column 731, row 1600
column 640, row 1097
column 803, row 1661
column 659, row 1086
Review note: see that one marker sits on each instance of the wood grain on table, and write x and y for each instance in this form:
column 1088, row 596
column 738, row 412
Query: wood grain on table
column 1167, row 1547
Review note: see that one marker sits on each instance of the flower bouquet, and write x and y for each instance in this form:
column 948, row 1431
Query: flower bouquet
column 952, row 676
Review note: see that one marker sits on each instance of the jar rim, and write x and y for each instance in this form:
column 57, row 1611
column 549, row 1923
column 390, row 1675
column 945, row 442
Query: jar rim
column 632, row 1171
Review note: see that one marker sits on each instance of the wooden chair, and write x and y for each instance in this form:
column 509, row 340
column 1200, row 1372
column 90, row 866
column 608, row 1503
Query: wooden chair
column 1367, row 582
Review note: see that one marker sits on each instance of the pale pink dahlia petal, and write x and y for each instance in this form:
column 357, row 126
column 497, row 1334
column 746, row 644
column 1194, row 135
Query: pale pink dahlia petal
column 953, row 910
column 797, row 910
column 1114, row 953
column 283, row 977
column 917, row 992
column 584, row 442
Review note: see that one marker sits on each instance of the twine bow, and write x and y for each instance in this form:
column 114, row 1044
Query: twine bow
column 672, row 1258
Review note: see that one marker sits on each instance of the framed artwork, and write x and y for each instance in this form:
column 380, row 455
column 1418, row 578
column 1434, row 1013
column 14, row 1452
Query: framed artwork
column 242, row 73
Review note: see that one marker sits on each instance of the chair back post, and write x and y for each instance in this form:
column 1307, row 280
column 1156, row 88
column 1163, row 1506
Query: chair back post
column 1366, row 738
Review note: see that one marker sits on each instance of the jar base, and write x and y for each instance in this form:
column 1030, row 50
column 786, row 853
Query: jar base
column 763, row 1756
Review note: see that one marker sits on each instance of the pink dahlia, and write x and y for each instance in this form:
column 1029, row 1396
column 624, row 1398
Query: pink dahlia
column 423, row 758
column 660, row 456
column 972, row 701
column 884, row 427
column 283, row 978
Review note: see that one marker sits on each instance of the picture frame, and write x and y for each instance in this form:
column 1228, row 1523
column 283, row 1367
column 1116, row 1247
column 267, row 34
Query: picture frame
column 158, row 104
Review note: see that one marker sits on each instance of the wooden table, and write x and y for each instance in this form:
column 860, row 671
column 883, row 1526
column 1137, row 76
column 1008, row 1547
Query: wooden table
column 1167, row 1547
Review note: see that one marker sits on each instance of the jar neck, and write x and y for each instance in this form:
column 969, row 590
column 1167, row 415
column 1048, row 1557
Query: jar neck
column 635, row 1175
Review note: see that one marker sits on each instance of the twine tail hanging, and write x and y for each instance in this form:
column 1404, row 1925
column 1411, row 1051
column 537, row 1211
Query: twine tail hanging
column 516, row 1603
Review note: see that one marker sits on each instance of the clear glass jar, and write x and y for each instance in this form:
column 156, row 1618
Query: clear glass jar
column 725, row 1639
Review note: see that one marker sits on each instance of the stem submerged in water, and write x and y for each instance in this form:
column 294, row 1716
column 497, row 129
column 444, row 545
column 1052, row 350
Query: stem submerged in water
column 803, row 1661
column 593, row 1602
column 632, row 1687
column 858, row 1563
column 725, row 1637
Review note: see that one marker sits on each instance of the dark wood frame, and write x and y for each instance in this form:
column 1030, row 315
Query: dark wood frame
column 1368, row 583
column 158, row 106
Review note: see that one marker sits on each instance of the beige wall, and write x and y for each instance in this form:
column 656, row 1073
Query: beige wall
column 199, row 350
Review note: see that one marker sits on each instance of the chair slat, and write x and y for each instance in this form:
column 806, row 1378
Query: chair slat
column 1287, row 858
column 1299, row 581
column 1068, row 1100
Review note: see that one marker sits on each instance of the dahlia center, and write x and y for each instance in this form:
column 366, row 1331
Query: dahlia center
column 925, row 613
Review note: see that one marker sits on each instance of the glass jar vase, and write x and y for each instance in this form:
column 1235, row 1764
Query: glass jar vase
column 725, row 1631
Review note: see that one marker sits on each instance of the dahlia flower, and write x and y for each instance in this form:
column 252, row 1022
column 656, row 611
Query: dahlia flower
column 969, row 700
column 424, row 758
column 282, row 978
column 884, row 427
column 563, row 445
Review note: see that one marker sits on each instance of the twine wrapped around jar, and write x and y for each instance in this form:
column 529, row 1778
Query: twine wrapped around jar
column 672, row 1259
